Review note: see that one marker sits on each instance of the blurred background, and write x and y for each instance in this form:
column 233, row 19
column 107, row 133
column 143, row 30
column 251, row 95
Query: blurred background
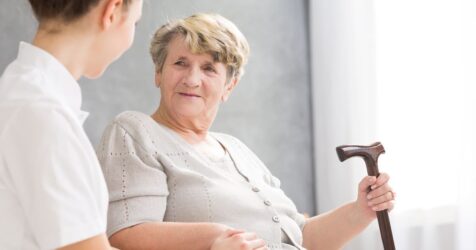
column 323, row 73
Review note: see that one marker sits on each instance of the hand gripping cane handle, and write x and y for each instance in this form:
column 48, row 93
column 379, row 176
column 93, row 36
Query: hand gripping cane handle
column 370, row 155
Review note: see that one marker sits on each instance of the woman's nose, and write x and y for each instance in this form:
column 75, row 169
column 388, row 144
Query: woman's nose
column 193, row 77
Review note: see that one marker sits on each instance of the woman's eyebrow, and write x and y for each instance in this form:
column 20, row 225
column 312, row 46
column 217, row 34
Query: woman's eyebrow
column 182, row 58
column 208, row 63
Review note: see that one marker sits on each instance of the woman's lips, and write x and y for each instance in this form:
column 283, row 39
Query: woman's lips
column 189, row 94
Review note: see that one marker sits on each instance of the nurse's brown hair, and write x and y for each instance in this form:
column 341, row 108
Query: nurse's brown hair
column 64, row 10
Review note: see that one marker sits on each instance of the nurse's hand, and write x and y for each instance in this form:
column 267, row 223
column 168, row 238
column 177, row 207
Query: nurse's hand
column 233, row 239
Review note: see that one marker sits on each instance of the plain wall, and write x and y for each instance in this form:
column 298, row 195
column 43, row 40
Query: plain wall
column 270, row 108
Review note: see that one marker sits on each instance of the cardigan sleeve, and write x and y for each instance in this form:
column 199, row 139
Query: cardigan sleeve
column 135, row 179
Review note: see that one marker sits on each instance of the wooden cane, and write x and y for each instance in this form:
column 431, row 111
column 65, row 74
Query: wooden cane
column 370, row 155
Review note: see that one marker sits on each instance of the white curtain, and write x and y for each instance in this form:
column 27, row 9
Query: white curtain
column 466, row 219
column 344, row 97
column 401, row 72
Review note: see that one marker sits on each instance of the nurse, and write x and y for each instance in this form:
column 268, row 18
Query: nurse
column 52, row 191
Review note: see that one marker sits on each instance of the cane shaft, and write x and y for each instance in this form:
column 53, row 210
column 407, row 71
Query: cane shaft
column 382, row 216
column 385, row 230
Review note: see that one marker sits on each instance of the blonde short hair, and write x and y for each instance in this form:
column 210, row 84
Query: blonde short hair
column 204, row 33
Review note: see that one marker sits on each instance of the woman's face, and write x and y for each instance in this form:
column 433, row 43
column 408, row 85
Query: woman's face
column 192, row 85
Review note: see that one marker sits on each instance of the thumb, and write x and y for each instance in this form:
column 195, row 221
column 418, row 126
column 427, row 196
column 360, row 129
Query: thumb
column 366, row 182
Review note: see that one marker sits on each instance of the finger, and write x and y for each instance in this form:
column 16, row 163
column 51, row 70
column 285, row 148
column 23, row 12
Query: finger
column 382, row 179
column 379, row 191
column 382, row 206
column 249, row 236
column 366, row 182
column 262, row 248
column 243, row 237
column 231, row 231
column 391, row 206
column 381, row 199
column 256, row 244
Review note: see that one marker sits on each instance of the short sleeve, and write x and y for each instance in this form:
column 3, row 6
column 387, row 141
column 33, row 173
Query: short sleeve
column 55, row 176
column 135, row 179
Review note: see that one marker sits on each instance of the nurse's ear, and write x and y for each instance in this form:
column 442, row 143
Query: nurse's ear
column 111, row 12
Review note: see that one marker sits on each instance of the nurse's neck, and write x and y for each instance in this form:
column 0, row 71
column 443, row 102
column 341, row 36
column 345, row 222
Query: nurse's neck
column 67, row 43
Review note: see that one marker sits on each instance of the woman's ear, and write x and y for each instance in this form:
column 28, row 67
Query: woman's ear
column 111, row 13
column 229, row 88
column 158, row 75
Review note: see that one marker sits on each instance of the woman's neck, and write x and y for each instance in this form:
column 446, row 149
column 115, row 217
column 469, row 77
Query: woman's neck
column 192, row 130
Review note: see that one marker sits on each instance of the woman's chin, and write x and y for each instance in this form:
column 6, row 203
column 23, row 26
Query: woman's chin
column 189, row 110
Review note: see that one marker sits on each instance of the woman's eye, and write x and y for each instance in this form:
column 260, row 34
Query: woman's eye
column 180, row 63
column 211, row 69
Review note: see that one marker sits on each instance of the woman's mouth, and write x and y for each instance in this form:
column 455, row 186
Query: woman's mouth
column 189, row 94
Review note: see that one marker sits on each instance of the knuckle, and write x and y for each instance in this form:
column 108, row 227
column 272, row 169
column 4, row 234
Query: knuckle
column 262, row 243
column 238, row 237
column 243, row 246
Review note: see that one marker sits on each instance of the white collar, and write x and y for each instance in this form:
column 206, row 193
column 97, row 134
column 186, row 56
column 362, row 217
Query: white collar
column 61, row 83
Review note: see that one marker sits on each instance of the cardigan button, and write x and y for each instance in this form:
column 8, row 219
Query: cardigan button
column 267, row 203
column 276, row 219
column 255, row 189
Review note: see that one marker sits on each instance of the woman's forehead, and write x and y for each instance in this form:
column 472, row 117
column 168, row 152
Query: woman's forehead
column 178, row 48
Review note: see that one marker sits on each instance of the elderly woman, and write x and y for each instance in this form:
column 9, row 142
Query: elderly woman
column 175, row 185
